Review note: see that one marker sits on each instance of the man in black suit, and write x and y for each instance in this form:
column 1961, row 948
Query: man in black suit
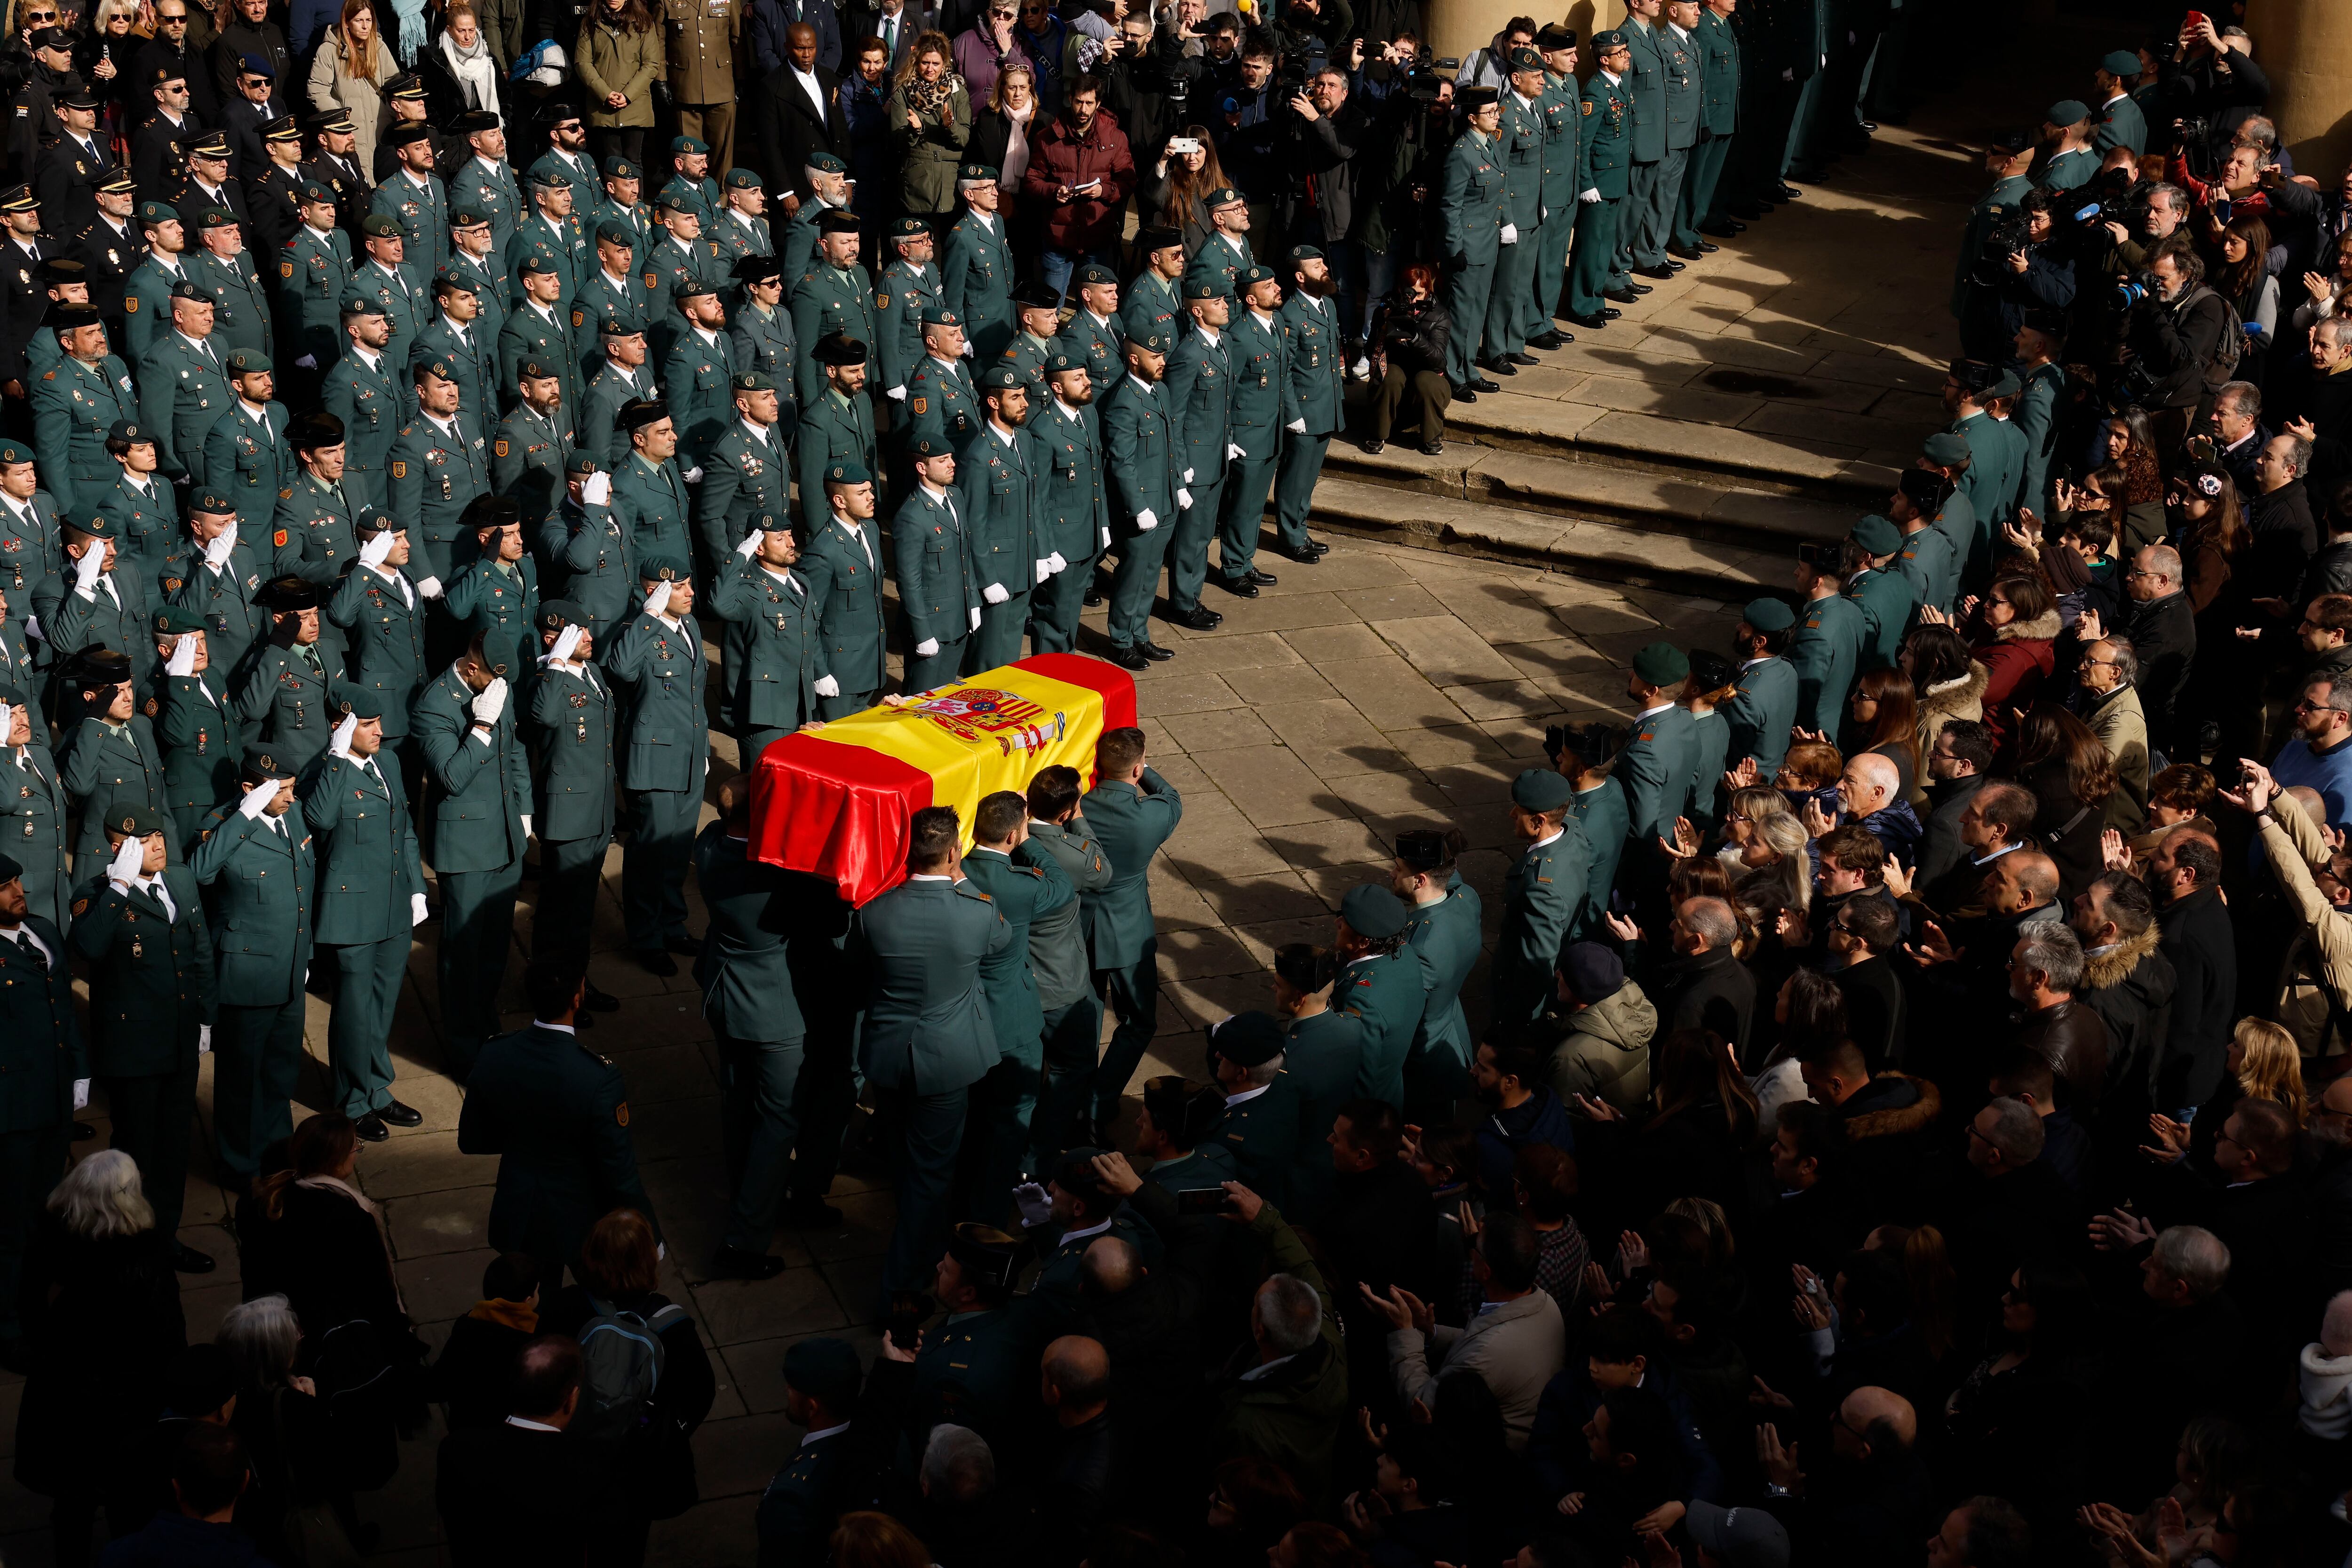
column 207, row 183
column 518, row 1491
column 159, row 147
column 244, row 116
column 167, row 55
column 2185, row 872
column 800, row 113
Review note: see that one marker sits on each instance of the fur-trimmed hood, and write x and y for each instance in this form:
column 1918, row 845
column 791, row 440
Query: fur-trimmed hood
column 1959, row 694
column 2043, row 627
column 2114, row 966
column 1895, row 1104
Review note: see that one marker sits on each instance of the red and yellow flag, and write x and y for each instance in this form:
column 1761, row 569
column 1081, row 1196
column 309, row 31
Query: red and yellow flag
column 836, row 801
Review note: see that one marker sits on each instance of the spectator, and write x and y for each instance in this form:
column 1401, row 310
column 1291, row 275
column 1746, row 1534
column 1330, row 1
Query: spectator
column 2284, row 535
column 1408, row 335
column 1701, row 1122
column 1871, row 1502
column 1959, row 761
column 1508, row 1079
column 1004, row 133
column 620, row 57
column 281, row 1422
column 1870, row 795
column 770, row 22
column 2176, row 334
column 2319, row 753
column 1884, row 1119
column 1705, row 986
column 1175, row 193
column 1080, row 171
column 930, row 116
column 2062, row 763
column 801, row 116
column 2018, row 621
column 209, row 1474
column 474, row 1371
column 1861, row 934
column 1515, row 1344
column 2185, row 872
column 349, row 73
column 1604, row 1052
column 519, row 1487
column 2128, row 983
column 863, row 100
column 2110, row 706
column 1286, row 1391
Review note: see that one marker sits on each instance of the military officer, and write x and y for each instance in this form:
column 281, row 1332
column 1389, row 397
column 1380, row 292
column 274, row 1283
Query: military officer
column 939, row 397
column 1092, row 335
column 1383, row 987
column 1541, row 894
column 1058, row 956
column 1763, row 705
column 527, row 456
column 977, row 271
column 614, row 289
column 1261, row 403
column 624, row 187
column 1024, row 885
column 838, row 427
column 1655, row 765
column 147, row 292
column 746, row 470
column 479, row 782
column 495, row 595
column 28, row 530
column 1927, row 556
column 2067, row 132
column 1600, row 809
column 842, row 569
column 275, row 188
column 1883, row 594
column 1140, row 458
column 439, row 463
column 797, row 1511
column 1827, row 644
column 539, row 330
column 1151, row 305
column 314, row 269
column 659, row 658
column 475, row 262
column 110, row 248
column 682, row 260
column 1700, row 210
column 412, row 196
column 763, row 333
column 690, row 180
column 1681, row 105
column 827, row 179
column 832, row 295
column 282, row 690
column 1131, row 812
column 768, row 657
column 110, row 760
column 1315, row 344
column 1604, row 162
column 927, row 1037
column 49, row 1077
column 379, row 611
column 2006, row 160
column 650, row 499
column 65, row 170
column 371, row 893
column 404, row 101
column 368, row 397
column 1441, row 929
column 698, row 377
column 246, row 455
column 398, row 288
column 1263, row 1115
column 553, row 235
column 1472, row 212
column 334, row 166
column 455, row 335
column 33, row 808
column 256, row 856
column 1002, row 493
column 969, row 1367
column 1199, row 387
column 95, row 600
column 182, row 388
column 737, row 228
column 1645, row 41
column 1073, row 506
column 75, row 403
column 1038, row 315
column 1559, row 119
column 138, row 924
column 242, row 318
column 485, row 182
column 931, row 557
column 567, row 150
column 2119, row 119
column 146, row 520
column 215, row 592
column 622, row 382
column 1519, row 153
column 571, row 716
column 594, row 558
column 907, row 291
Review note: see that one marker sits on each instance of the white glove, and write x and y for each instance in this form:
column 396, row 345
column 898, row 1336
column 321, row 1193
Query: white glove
column 341, row 744
column 928, row 647
column 995, row 593
column 1543, row 214
column 967, row 348
column 417, row 909
column 1788, row 73
column 256, row 800
column 204, row 1039
column 694, row 474
column 376, row 550
column 216, row 551
column 490, row 702
column 1106, row 539
column 658, row 600
column 826, row 686
column 184, row 654
column 750, row 546
column 1232, row 449
column 1188, row 479
column 87, row 570
column 1183, row 499
column 307, row 361
column 566, row 640
column 1588, row 197
column 975, row 620
column 430, row 588
column 526, row 824
column 33, row 629
column 1297, row 426
column 1510, row 235
column 1036, row 1207
column 1145, row 522
column 896, row 394
column 598, row 489
column 81, row 1094
column 1056, row 564
column 1044, row 570
column 124, row 868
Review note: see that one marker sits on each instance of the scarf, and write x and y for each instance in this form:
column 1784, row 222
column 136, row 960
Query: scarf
column 410, row 39
column 1016, row 146
column 335, row 1185
column 519, row 1316
column 476, row 69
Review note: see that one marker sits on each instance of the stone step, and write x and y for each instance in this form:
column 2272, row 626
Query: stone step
column 1465, row 525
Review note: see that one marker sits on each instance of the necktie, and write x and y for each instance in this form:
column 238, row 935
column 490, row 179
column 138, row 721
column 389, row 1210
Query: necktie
column 39, row 960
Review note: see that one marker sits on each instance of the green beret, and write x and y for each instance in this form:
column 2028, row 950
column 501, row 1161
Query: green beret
column 1943, row 449
column 136, row 822
column 1662, row 664
column 754, row 380
column 1000, row 378
column 665, row 569
column 2120, row 62
column 172, row 620
column 1373, row 910
column 1152, row 342
column 926, row 446
column 1246, row 1040
column 1203, row 286
column 358, row 701
column 940, row 316
column 616, row 234
column 824, row 1368
column 1541, row 789
column 1878, row 535
column 2068, row 111
column 688, row 145
column 848, row 476
column 262, row 761
column 740, row 180
column 249, row 361
column 1768, row 614
column 93, row 525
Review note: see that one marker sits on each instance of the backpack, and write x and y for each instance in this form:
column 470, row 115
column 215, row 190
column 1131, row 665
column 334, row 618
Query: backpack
column 2230, row 351
column 621, row 1360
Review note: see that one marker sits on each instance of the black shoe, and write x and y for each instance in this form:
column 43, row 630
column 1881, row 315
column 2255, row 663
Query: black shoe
column 1433, row 449
column 1093, row 599
column 1130, row 658
column 1307, row 556
column 1465, row 393
column 684, row 946
column 742, row 1263
column 372, row 1128
column 1483, row 385
column 597, row 1002
column 1372, row 446
column 1867, row 125
column 1706, row 249
column 1590, row 323
column 188, row 1261
column 1612, row 313
column 1724, row 231
column 83, row 1132
column 1498, row 365
column 1263, row 579
column 399, row 1115
column 1785, row 192
column 1199, row 618
column 1239, row 587
column 1636, row 289
column 654, row 960
column 812, row 1214
column 1552, row 338
column 1318, row 549
column 1691, row 254
column 1523, row 359
column 1154, row 652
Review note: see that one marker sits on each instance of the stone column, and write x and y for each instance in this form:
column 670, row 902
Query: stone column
column 1462, row 27
column 2305, row 46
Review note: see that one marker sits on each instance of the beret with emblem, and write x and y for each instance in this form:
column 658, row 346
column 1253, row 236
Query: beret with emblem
column 741, row 179
column 1091, row 274
column 926, row 446
column 830, row 163
column 907, row 228
column 1542, row 789
column 257, row 65
column 615, row 327
column 92, row 525
column 612, row 233
column 1607, row 38
column 644, row 412
column 1768, row 615
column 125, row 431
column 309, row 431
column 287, row 596
column 467, row 217
column 137, row 822
column 535, row 262
column 978, row 175
column 665, row 569
column 555, row 615
column 691, row 288
column 312, row 191
column 754, row 380
column 212, row 503
column 219, row 218
column 771, row 522
column 536, row 369
column 688, row 145
column 838, row 348
column 184, row 290
column 940, row 316
column 1878, row 535
column 677, row 202
column 407, row 132
column 848, row 475
column 1301, row 254
column 262, row 761
column 1251, row 277
column 11, row 454
column 1000, row 378
column 1943, row 449
column 1203, row 286
column 1062, row 364
column 377, row 225
column 1151, row 342
column 551, row 179
column 359, row 701
column 1526, row 59
column 1222, row 196
column 373, row 522
column 438, row 369
column 153, row 213
column 622, row 169
column 249, row 361
column 581, row 461
column 1373, row 909
column 357, row 304
column 1246, row 1040
column 837, row 221
column 172, row 620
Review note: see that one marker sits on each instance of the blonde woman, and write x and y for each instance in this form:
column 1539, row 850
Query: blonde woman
column 349, row 73
column 1002, row 133
column 929, row 112
column 2263, row 1063
column 467, row 56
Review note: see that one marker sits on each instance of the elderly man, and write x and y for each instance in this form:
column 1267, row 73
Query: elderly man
column 2107, row 700
column 2185, row 873
column 2045, row 970
column 1869, row 794
column 1875, row 1502
column 2163, row 632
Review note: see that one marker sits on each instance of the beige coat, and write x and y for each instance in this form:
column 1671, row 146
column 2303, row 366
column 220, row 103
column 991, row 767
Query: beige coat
column 334, row 85
column 1948, row 700
column 2316, row 970
column 2122, row 729
column 1515, row 1350
column 615, row 59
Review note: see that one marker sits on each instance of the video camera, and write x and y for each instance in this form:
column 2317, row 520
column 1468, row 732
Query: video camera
column 2141, row 285
column 1592, row 744
column 2004, row 240
column 2106, row 199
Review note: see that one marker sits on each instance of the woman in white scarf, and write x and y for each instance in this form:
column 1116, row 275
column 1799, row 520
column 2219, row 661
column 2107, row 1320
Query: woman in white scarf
column 467, row 55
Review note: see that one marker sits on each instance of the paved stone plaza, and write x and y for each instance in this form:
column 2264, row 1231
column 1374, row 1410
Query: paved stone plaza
column 1388, row 687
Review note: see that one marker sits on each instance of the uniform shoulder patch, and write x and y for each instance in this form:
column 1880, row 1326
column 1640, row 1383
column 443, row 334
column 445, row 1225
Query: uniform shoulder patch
column 399, row 469
column 1586, row 107
column 151, row 708
column 500, row 448
column 278, row 539
column 286, row 494
column 49, row 375
column 131, row 304
column 621, row 1111
column 79, row 906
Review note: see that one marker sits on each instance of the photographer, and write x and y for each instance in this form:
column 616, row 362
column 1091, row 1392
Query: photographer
column 2037, row 272
column 1324, row 133
column 2209, row 89
column 1147, row 82
column 2175, row 334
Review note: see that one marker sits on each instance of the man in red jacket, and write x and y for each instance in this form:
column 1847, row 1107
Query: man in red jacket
column 1080, row 171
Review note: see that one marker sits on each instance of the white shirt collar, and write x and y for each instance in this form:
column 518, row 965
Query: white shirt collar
column 1246, row 1096
column 559, row 1028
column 525, row 1422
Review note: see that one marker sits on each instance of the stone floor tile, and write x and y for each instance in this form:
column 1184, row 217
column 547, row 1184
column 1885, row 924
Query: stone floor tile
column 1285, row 682
column 1249, row 901
column 1284, row 613
column 1402, row 601
column 1203, row 952
column 456, row 1220
column 1339, row 842
column 1199, row 694
column 1391, row 693
column 1503, row 699
column 1213, row 655
column 429, row 1163
column 1434, row 747
column 1270, row 784
column 440, row 1285
column 1216, row 731
column 797, row 1301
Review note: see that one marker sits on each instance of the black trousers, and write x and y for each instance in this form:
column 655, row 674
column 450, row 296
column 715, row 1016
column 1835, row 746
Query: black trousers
column 153, row 1115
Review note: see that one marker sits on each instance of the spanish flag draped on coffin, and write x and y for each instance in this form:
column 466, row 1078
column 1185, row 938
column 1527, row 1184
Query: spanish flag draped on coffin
column 836, row 801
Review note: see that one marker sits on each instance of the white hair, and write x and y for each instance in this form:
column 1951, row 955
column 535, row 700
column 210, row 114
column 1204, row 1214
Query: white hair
column 261, row 1337
column 101, row 1197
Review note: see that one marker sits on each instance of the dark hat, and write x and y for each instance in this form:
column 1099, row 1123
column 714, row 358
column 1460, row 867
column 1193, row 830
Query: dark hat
column 1036, row 296
column 753, row 380
column 212, row 503
column 758, row 269
column 376, row 225
column 358, row 304
column 309, row 431
column 838, row 348
column 1302, row 253
column 219, row 217
column 2119, row 62
column 1203, row 285
column 12, row 454
column 2048, row 323
column 151, row 213
column 1768, row 615
column 257, row 65
column 1151, row 343
column 1922, row 487
column 622, row 169
column 447, row 282
column 1251, row 277
column 58, row 270
column 407, row 133
column 535, row 262
column 692, row 289
column 677, row 202
column 373, row 521
column 201, row 1380
column 407, row 84
column 282, row 128
column 249, row 362
column 1062, row 364
column 1183, row 1108
column 940, row 316
column 907, row 228
column 52, row 39
column 927, row 447
column 172, row 620
column 262, row 761
column 91, row 525
column 1943, row 449
column 1000, row 378
column 2012, row 142
column 822, row 1368
column 1091, row 273
column 359, row 701
column 1975, row 374
column 473, row 120
column 98, row 667
column 311, row 191
column 490, row 511
column 581, row 461
column 665, row 569
column 1542, row 789
column 335, row 123
column 644, row 412
column 1594, row 973
column 848, row 475
column 688, row 144
column 1074, row 1173
column 551, row 179
column 1554, row 36
column 1246, row 1040
column 555, row 615
column 71, row 317
column 18, row 199
column 116, row 183
column 438, row 369
column 612, row 233
column 1526, row 59
column 2068, row 111
column 282, row 595
column 987, row 1256
column 127, row 431
column 838, row 220
column 138, row 822
column 1222, row 196
column 1607, row 38
column 1474, row 99
column 1877, row 536
column 978, row 175
column 77, row 101
column 9, row 872
column 1738, row 1537
column 2005, row 384
column 1373, row 909
column 536, row 369
column 1157, row 237
column 615, row 327
column 1662, row 664
column 555, row 112
column 1709, row 670
column 829, row 163
column 743, row 180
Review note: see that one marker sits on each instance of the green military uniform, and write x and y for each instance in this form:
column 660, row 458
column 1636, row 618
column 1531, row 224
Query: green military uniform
column 1221, row 259
column 1601, row 813
column 2120, row 122
column 198, row 733
column 1680, row 68
column 650, row 502
column 313, row 271
column 75, row 404
column 1559, row 116
column 41, row 1046
column 1717, row 42
column 1655, row 769
column 1996, row 205
column 763, row 343
column 108, row 769
column 487, row 188
column 1073, row 513
column 744, row 476
column 1260, row 1130
column 1322, row 1057
column 1023, row 885
column 30, row 543
column 660, row 662
column 1646, row 77
column 600, row 427
column 595, row 560
column 1826, row 652
column 605, row 298
column 698, row 381
column 931, row 557
column 1926, row 560
column 977, row 272
column 971, row 1368
column 1130, row 823
column 1000, row 494
column 470, row 352
column 940, row 397
column 146, row 521
column 1543, row 894
column 1094, row 343
column 1472, row 209
column 842, row 569
column 1065, row 990
column 479, row 783
column 372, row 403
column 112, row 612
column 902, row 296
column 672, row 266
column 181, row 390
column 738, row 234
column 1264, row 401
column 535, row 333
column 1447, row 939
column 498, row 600
column 1026, row 356
column 1147, row 305
column 383, row 617
column 247, row 460
column 2035, row 417
column 312, row 532
column 147, row 299
column 407, row 302
column 1199, row 385
column 768, row 658
column 798, row 245
column 557, row 1114
column 486, row 275
column 1605, row 164
column 1315, row 344
column 835, row 429
column 2069, row 170
column 571, row 716
column 420, row 205
column 242, row 317
column 149, row 958
column 561, row 244
column 1886, row 600
column 437, row 471
column 829, row 299
column 700, row 198
column 1519, row 149
column 33, row 813
column 1138, row 442
column 1384, row 992
column 264, row 874
column 527, row 458
column 281, row 695
column 1762, row 709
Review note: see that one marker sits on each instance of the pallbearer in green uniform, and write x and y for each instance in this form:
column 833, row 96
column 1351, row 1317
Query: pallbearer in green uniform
column 1381, row 985
column 969, row 1371
column 746, row 472
column 1322, row 1053
column 1145, row 473
column 842, row 568
column 383, row 614
column 658, row 658
column 1073, row 507
column 1827, row 644
column 1471, row 212
column 1025, row 884
column 256, row 856
column 1541, row 894
column 571, row 716
column 926, row 1038
column 1763, row 705
column 1441, row 931
column 931, row 555
column 283, row 692
column 193, row 723
column 977, row 272
column 138, row 924
column 1131, row 812
column 1260, row 1128
column 1519, row 149
column 111, row 762
column 1057, row 956
column 1558, row 114
column 48, row 1078
column 1885, row 596
column 1199, row 387
column 1002, row 495
column 1605, row 162
column 833, row 296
